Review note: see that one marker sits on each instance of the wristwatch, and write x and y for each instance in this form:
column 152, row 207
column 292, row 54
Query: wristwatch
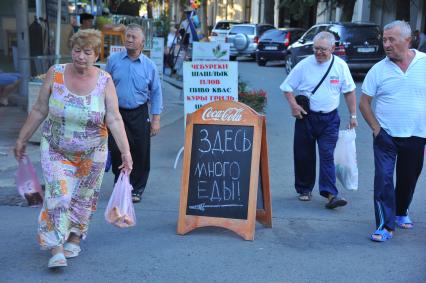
column 353, row 116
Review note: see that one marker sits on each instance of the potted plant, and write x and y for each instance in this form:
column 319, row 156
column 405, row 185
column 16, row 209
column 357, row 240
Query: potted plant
column 255, row 98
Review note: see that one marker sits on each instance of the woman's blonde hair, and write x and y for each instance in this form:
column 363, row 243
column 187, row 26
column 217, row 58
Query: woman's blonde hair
column 87, row 38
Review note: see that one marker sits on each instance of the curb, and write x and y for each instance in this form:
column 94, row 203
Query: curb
column 173, row 82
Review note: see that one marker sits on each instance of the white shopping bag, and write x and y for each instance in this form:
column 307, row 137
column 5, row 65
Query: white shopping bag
column 345, row 159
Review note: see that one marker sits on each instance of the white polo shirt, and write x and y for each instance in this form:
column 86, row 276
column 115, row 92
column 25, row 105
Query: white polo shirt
column 307, row 74
column 399, row 98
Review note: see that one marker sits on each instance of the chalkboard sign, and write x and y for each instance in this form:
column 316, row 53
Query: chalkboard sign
column 219, row 178
column 223, row 170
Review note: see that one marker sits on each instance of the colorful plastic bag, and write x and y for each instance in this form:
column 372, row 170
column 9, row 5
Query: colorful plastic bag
column 27, row 182
column 345, row 159
column 120, row 211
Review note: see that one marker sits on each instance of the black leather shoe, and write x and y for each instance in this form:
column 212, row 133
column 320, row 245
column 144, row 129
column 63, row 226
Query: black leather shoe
column 136, row 197
column 336, row 202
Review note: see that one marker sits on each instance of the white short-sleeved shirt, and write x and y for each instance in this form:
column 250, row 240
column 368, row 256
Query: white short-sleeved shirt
column 307, row 74
column 399, row 98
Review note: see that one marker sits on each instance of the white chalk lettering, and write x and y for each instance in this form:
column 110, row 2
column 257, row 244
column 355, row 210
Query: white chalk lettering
column 217, row 145
column 208, row 144
column 231, row 140
column 215, row 195
column 200, row 190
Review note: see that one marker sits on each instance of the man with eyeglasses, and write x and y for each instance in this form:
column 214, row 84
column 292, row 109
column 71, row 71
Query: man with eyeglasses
column 322, row 77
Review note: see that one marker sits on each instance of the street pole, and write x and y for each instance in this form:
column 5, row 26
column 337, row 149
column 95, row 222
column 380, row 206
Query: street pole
column 22, row 38
column 58, row 33
column 38, row 9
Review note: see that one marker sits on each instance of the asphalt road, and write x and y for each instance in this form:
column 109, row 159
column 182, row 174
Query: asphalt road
column 307, row 243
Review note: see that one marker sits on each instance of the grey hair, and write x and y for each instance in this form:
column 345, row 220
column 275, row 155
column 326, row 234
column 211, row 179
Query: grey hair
column 325, row 35
column 404, row 27
column 136, row 26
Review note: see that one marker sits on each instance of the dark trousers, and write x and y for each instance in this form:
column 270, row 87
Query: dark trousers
column 138, row 127
column 321, row 128
column 408, row 154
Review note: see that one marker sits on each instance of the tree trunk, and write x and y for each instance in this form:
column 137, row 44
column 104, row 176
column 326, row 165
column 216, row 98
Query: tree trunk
column 149, row 5
column 21, row 12
column 204, row 25
column 347, row 10
column 268, row 13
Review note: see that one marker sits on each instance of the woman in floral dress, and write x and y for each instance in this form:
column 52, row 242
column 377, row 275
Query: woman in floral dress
column 79, row 102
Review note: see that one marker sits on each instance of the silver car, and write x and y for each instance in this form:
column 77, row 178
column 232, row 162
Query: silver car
column 244, row 39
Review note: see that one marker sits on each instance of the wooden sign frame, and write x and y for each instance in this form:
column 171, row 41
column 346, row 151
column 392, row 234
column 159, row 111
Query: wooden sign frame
column 233, row 114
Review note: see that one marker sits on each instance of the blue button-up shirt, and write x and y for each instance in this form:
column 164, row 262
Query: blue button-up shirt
column 137, row 81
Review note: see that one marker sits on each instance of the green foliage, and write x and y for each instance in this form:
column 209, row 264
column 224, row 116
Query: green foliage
column 297, row 8
column 129, row 7
column 162, row 25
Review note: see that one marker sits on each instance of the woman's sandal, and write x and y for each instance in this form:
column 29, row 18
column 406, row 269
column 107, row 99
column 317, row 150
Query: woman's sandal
column 71, row 250
column 305, row 196
column 383, row 234
column 404, row 222
column 58, row 260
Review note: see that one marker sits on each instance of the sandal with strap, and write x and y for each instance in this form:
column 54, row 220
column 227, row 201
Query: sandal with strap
column 404, row 222
column 71, row 250
column 58, row 260
column 384, row 235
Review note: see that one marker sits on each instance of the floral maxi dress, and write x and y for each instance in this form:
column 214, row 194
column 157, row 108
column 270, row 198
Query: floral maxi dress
column 73, row 155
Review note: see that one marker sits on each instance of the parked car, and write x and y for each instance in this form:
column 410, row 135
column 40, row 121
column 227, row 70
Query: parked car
column 244, row 38
column 359, row 44
column 220, row 30
column 273, row 44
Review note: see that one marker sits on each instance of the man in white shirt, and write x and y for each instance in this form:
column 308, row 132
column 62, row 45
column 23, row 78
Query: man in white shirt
column 321, row 124
column 397, row 85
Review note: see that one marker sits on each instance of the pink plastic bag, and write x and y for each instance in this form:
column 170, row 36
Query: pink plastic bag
column 27, row 182
column 120, row 211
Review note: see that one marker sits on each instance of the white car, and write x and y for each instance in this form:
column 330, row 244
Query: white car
column 220, row 30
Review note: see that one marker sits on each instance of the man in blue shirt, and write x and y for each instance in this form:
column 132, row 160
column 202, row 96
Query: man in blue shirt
column 137, row 82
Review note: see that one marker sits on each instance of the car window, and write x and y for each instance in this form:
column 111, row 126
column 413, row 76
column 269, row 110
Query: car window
column 295, row 35
column 274, row 34
column 242, row 29
column 338, row 31
column 309, row 36
column 361, row 33
column 321, row 28
column 224, row 25
column 262, row 29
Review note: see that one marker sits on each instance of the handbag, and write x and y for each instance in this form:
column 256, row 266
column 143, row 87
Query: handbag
column 303, row 100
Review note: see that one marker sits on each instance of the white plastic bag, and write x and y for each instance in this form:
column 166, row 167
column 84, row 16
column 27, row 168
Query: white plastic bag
column 120, row 211
column 345, row 159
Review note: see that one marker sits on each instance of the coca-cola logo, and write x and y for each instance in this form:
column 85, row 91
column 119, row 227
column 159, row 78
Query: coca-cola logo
column 231, row 114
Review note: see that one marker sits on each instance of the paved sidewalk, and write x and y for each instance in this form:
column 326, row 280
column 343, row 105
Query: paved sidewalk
column 13, row 117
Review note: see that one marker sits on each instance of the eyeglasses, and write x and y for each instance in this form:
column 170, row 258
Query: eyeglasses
column 320, row 49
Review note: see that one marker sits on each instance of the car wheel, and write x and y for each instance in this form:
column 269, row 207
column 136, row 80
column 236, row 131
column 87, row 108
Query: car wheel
column 261, row 62
column 289, row 64
column 232, row 58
